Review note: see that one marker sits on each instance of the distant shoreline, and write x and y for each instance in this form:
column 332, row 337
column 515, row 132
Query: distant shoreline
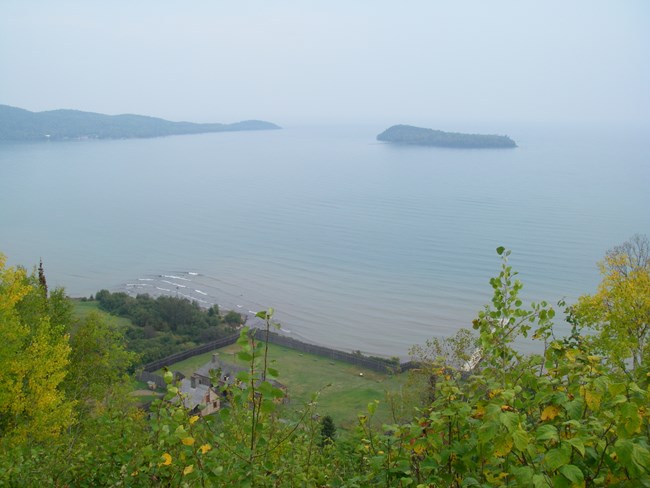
column 17, row 124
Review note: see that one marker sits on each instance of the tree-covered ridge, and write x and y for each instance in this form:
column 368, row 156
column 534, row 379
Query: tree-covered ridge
column 17, row 124
column 408, row 134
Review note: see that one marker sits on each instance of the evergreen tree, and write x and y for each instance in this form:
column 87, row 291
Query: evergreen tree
column 327, row 430
column 41, row 276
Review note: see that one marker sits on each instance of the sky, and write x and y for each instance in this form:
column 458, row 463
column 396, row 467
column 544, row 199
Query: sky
column 332, row 62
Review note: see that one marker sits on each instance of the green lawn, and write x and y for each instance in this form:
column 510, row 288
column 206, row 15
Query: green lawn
column 345, row 389
column 83, row 308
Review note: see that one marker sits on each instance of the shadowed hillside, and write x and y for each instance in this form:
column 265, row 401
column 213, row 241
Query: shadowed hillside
column 17, row 124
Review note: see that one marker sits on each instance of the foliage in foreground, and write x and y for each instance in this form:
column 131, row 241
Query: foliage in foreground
column 575, row 415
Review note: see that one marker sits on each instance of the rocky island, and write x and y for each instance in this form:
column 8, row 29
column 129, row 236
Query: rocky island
column 17, row 124
column 408, row 134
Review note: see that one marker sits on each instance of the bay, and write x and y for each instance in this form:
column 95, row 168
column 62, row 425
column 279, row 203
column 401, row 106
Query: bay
column 356, row 244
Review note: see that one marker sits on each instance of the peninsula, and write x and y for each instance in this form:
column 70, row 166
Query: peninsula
column 17, row 124
column 408, row 134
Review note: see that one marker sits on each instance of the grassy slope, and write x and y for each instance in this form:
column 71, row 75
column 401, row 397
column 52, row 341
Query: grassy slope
column 304, row 374
column 82, row 309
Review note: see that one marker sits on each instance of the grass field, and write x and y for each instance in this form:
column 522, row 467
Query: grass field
column 350, row 388
column 82, row 309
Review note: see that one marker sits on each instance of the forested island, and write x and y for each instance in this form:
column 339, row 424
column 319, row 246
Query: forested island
column 17, row 124
column 408, row 134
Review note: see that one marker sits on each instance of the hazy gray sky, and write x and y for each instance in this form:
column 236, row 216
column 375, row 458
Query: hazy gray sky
column 296, row 62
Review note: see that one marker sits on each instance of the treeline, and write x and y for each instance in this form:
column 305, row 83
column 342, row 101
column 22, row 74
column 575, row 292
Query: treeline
column 165, row 325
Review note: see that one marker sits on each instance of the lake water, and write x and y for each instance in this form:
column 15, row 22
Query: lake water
column 356, row 244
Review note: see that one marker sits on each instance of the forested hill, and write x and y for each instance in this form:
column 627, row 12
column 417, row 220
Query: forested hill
column 17, row 124
column 408, row 134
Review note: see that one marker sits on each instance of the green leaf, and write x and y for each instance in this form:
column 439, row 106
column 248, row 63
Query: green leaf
column 372, row 407
column 273, row 372
column 168, row 377
column 243, row 376
column 630, row 418
column 267, row 389
column 574, row 408
column 277, row 393
column 572, row 473
column 523, row 475
column 641, row 457
column 244, row 356
column 180, row 432
column 265, row 314
column 539, row 481
column 500, row 250
column 557, row 457
column 520, row 437
column 469, row 482
column 547, row 432
column 560, row 481
column 243, row 337
column 502, row 445
column 577, row 443
column 510, row 420
column 633, row 457
column 267, row 405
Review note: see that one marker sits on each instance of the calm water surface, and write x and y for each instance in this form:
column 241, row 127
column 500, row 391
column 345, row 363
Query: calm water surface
column 356, row 244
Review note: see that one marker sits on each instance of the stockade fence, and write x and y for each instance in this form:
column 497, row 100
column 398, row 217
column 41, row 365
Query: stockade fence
column 181, row 356
column 374, row 364
column 147, row 377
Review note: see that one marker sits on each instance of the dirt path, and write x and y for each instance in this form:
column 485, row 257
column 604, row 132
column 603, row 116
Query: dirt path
column 144, row 393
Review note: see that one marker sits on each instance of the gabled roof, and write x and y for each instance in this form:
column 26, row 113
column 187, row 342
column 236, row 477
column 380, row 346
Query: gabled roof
column 193, row 396
column 230, row 370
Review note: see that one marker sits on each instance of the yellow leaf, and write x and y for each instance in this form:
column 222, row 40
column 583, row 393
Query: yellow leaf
column 503, row 446
column 479, row 412
column 188, row 441
column 167, row 460
column 194, row 419
column 493, row 393
column 591, row 398
column 572, row 354
column 188, row 469
column 205, row 448
column 550, row 412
